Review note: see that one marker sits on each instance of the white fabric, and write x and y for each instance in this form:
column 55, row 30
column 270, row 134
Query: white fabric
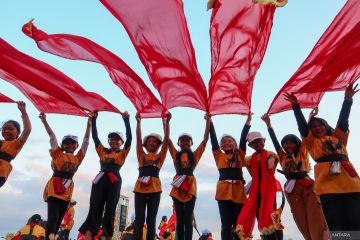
column 247, row 187
column 253, row 136
column 335, row 168
column 53, row 142
column 289, row 186
column 84, row 145
column 145, row 179
column 178, row 181
column 98, row 177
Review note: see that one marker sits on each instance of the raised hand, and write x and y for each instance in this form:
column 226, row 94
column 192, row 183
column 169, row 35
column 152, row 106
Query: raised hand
column 351, row 91
column 266, row 118
column 42, row 116
column 138, row 117
column 93, row 114
column 168, row 116
column 314, row 112
column 21, row 106
column 249, row 118
column 125, row 115
column 290, row 97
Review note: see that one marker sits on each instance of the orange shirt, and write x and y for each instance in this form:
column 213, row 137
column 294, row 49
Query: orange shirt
column 224, row 189
column 324, row 182
column 65, row 162
column 113, row 157
column 11, row 148
column 149, row 159
column 185, row 163
column 303, row 156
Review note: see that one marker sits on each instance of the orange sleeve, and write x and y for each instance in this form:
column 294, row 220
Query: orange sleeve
column 341, row 135
column 100, row 150
column 308, row 140
column 55, row 153
column 199, row 152
column 80, row 155
column 241, row 157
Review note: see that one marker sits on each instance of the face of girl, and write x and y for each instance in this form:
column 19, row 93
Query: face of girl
column 69, row 146
column 185, row 143
column 318, row 129
column 152, row 144
column 290, row 146
column 227, row 144
column 9, row 132
column 258, row 145
column 115, row 143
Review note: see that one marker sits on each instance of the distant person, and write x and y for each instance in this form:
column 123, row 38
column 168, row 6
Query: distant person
column 32, row 230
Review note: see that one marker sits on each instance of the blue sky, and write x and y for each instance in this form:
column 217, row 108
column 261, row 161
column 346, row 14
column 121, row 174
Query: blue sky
column 297, row 27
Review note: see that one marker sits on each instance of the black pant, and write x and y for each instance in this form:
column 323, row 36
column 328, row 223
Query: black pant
column 341, row 211
column 103, row 194
column 229, row 212
column 143, row 201
column 56, row 211
column 184, row 216
column 2, row 181
column 64, row 234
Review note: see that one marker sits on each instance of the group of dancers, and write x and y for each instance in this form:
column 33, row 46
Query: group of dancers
column 330, row 202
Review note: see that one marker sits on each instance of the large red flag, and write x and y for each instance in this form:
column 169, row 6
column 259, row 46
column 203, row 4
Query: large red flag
column 47, row 79
column 239, row 32
column 5, row 99
column 333, row 63
column 159, row 32
column 80, row 48
column 44, row 102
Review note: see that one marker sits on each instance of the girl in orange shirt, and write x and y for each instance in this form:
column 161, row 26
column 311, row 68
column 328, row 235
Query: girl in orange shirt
column 105, row 189
column 13, row 141
column 336, row 180
column 183, row 191
column 64, row 163
column 148, row 186
column 230, row 187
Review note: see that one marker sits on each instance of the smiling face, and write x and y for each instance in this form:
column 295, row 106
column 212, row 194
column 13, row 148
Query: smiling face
column 317, row 128
column 185, row 143
column 69, row 145
column 290, row 146
column 152, row 144
column 9, row 131
column 227, row 144
column 115, row 143
column 257, row 144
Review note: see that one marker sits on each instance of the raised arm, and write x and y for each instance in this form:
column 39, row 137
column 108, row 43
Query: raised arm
column 166, row 124
column 126, row 118
column 207, row 129
column 244, row 132
column 94, row 129
column 26, row 122
column 139, row 148
column 53, row 141
column 85, row 142
column 266, row 119
column 343, row 121
column 300, row 119
column 213, row 138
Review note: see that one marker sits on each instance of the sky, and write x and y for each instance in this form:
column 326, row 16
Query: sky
column 296, row 29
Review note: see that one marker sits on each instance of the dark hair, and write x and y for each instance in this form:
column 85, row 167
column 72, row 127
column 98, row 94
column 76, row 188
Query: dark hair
column 294, row 139
column 329, row 129
column 163, row 218
column 15, row 123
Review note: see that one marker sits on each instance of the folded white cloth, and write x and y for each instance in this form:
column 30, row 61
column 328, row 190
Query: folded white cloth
column 178, row 181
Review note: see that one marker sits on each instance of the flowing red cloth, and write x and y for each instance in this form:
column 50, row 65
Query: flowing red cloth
column 239, row 32
column 246, row 219
column 332, row 64
column 44, row 102
column 4, row 98
column 158, row 30
column 80, row 48
column 169, row 226
column 42, row 76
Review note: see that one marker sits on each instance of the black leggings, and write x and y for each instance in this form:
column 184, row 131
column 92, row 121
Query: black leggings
column 229, row 212
column 56, row 211
column 184, row 216
column 341, row 211
column 143, row 201
column 2, row 181
column 103, row 194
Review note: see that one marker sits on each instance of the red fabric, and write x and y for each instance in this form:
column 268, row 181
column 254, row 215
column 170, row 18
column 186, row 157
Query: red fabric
column 4, row 98
column 21, row 68
column 332, row 64
column 239, row 31
column 159, row 32
column 67, row 218
column 267, row 186
column 169, row 226
column 80, row 48
column 44, row 102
